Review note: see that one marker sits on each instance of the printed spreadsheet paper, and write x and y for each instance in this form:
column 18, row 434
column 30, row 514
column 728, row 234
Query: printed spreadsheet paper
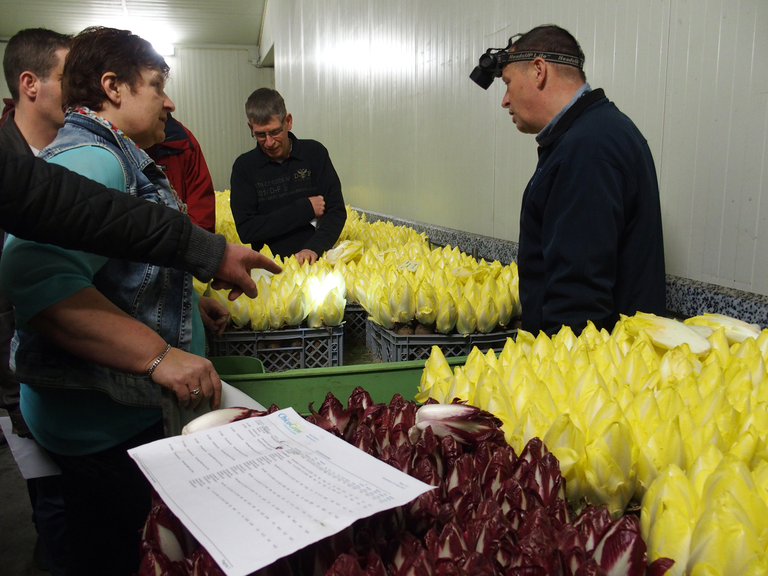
column 254, row 491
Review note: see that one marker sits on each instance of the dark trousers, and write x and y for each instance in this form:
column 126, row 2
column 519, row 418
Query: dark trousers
column 49, row 517
column 107, row 500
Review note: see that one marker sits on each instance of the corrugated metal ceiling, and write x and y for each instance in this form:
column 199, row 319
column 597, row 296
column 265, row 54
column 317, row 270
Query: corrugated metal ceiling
column 186, row 22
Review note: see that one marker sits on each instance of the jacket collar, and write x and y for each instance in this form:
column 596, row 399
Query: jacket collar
column 88, row 119
column 11, row 137
column 176, row 140
column 570, row 116
column 262, row 159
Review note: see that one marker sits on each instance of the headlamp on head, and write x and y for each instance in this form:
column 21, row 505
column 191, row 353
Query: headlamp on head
column 493, row 61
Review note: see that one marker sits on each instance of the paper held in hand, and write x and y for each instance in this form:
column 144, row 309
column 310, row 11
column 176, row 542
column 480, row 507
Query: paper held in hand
column 254, row 491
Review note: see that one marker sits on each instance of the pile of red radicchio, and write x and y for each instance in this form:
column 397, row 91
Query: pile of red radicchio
column 493, row 512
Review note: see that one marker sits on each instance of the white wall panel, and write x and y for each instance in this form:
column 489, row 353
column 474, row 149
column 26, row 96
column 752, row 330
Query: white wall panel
column 209, row 88
column 383, row 84
column 4, row 92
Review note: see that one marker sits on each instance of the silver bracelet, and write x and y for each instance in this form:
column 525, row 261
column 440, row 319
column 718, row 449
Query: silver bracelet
column 157, row 361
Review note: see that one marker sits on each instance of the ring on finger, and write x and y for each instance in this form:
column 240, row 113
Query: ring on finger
column 196, row 391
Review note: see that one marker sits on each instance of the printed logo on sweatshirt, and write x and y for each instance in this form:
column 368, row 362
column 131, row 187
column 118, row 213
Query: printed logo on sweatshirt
column 302, row 174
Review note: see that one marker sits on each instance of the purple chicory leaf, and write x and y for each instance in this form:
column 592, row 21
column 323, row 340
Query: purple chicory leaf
column 572, row 549
column 220, row 417
column 203, row 564
column 499, row 469
column 398, row 435
column 155, row 563
column 621, row 550
column 428, row 446
column 527, row 571
column 483, row 454
column 446, row 514
column 374, row 566
column 468, row 424
column 333, row 410
column 353, row 419
column 547, row 475
column 461, row 471
column 490, row 530
column 479, row 565
column 373, row 417
column 451, row 545
column 486, row 509
column 589, row 568
column 569, row 538
column 321, row 421
column 163, row 533
column 537, row 528
column 448, row 568
column 345, row 565
column 510, row 497
column 360, row 399
column 534, row 450
column 592, row 524
column 508, row 549
column 425, row 469
column 659, row 567
column 402, row 411
column 399, row 457
column 558, row 513
column 465, row 500
column 363, row 439
column 521, row 469
column 408, row 552
column 450, row 451
column 431, row 542
column 531, row 499
column 422, row 512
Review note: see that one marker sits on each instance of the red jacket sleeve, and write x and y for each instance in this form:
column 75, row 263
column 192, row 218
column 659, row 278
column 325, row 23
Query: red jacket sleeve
column 198, row 194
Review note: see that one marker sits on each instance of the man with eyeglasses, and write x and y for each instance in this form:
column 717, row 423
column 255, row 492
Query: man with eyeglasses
column 285, row 193
column 591, row 244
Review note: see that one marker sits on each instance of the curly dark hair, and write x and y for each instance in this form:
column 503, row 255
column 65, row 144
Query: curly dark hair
column 98, row 50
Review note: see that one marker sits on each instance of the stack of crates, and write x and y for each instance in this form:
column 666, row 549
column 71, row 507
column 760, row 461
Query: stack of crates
column 390, row 347
column 287, row 349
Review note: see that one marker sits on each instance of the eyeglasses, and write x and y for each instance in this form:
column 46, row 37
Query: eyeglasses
column 262, row 136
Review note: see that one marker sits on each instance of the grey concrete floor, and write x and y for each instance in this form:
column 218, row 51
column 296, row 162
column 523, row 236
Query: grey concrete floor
column 17, row 533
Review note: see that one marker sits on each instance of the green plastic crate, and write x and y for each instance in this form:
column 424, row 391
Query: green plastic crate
column 297, row 388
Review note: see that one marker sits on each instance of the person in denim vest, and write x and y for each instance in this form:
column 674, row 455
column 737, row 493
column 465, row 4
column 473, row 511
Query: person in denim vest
column 107, row 350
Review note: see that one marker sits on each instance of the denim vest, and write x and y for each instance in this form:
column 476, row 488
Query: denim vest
column 159, row 297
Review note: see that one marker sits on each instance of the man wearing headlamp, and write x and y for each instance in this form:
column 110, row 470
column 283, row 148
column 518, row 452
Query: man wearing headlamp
column 591, row 244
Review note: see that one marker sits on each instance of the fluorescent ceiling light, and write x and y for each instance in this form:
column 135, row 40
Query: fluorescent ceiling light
column 163, row 48
column 159, row 34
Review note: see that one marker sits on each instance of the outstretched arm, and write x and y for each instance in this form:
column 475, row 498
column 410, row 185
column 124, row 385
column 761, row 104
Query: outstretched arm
column 50, row 204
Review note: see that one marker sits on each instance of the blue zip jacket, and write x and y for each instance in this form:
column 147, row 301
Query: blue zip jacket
column 161, row 298
column 591, row 244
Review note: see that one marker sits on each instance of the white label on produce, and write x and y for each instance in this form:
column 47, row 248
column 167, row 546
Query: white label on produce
column 254, row 491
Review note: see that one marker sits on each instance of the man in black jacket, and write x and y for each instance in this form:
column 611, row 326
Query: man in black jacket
column 285, row 192
column 591, row 245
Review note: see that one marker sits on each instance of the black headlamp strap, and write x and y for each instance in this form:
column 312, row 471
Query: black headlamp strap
column 505, row 57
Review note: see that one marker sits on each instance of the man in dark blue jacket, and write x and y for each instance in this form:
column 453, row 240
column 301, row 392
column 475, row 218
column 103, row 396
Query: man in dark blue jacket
column 591, row 244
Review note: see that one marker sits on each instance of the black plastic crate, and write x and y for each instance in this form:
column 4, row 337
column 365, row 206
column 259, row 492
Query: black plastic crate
column 287, row 349
column 390, row 347
column 355, row 321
